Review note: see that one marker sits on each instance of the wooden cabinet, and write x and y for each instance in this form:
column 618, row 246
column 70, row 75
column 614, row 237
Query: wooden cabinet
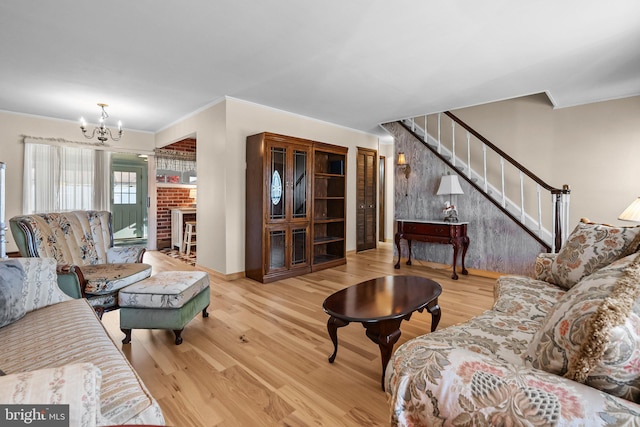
column 329, row 197
column 278, row 215
column 283, row 219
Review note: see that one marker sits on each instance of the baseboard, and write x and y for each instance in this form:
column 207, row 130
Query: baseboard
column 439, row 266
column 227, row 277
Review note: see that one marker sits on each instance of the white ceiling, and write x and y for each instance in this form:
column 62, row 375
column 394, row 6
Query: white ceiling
column 356, row 63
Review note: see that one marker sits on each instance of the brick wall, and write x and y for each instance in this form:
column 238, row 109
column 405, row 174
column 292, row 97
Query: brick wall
column 188, row 145
column 171, row 198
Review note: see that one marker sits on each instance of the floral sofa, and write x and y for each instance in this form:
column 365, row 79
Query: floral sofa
column 82, row 241
column 562, row 348
column 45, row 358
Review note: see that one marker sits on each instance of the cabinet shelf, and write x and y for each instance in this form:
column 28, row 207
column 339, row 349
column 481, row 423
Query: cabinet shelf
column 327, row 239
column 321, row 259
column 329, row 206
column 328, row 175
column 327, row 220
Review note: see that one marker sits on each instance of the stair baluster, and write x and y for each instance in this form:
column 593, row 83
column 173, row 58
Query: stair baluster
column 534, row 223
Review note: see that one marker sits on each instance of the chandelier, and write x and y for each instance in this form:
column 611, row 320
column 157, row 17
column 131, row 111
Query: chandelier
column 102, row 130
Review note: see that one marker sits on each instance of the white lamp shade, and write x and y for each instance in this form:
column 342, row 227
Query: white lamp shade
column 632, row 213
column 449, row 184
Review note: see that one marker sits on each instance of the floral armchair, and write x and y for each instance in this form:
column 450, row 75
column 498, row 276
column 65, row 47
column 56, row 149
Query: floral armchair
column 89, row 265
column 560, row 349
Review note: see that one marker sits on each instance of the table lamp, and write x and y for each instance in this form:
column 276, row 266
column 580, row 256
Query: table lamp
column 632, row 213
column 450, row 185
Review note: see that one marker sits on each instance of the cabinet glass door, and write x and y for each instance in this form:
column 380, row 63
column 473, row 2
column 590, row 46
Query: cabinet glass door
column 299, row 246
column 277, row 184
column 277, row 249
column 299, row 184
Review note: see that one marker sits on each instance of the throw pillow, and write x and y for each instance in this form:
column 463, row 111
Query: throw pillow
column 592, row 335
column 590, row 247
column 40, row 283
column 11, row 302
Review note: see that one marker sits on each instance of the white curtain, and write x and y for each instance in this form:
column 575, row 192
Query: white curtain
column 102, row 181
column 62, row 178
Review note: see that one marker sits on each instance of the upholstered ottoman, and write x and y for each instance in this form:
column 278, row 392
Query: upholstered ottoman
column 167, row 300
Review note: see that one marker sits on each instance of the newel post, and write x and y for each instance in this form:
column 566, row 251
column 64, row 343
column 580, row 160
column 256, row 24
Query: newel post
column 561, row 214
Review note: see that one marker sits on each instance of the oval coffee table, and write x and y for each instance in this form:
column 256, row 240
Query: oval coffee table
column 381, row 305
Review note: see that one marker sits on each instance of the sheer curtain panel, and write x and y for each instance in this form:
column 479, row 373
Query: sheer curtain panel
column 61, row 178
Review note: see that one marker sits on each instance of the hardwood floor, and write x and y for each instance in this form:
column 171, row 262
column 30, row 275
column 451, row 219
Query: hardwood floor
column 260, row 358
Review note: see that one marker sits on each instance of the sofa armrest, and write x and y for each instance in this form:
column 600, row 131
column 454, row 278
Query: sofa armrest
column 125, row 254
column 71, row 281
column 76, row 385
column 461, row 387
column 543, row 266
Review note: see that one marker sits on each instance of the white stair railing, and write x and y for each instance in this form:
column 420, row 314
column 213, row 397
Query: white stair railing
column 508, row 183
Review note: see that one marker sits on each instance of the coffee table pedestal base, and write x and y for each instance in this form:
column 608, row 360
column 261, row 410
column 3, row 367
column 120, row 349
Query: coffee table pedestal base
column 385, row 333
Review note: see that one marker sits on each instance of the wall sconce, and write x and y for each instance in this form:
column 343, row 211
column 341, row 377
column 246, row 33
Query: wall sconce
column 450, row 185
column 403, row 165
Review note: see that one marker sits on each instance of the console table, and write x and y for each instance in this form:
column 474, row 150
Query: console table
column 453, row 233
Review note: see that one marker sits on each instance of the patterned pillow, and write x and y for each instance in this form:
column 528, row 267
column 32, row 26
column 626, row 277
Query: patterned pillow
column 11, row 303
column 40, row 286
column 76, row 385
column 592, row 335
column 590, row 247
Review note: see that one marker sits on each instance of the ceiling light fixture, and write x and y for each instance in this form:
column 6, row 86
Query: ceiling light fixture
column 102, row 130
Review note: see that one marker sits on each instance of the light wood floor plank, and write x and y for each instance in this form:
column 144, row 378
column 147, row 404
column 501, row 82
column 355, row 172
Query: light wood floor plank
column 260, row 358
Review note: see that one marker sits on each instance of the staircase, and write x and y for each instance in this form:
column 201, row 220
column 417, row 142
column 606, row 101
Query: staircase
column 540, row 209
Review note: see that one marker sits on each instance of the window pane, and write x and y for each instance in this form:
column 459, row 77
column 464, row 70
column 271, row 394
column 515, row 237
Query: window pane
column 124, row 188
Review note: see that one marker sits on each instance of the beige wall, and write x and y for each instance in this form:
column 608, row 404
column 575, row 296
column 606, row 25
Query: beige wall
column 12, row 126
column 594, row 148
column 221, row 133
column 208, row 128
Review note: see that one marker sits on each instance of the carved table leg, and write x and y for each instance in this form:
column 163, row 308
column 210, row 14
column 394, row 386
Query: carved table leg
column 454, row 275
column 409, row 245
column 385, row 333
column 332, row 327
column 434, row 309
column 127, row 336
column 178, row 333
column 465, row 246
column 397, row 239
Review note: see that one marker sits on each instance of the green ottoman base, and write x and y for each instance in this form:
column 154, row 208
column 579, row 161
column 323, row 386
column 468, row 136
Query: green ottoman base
column 167, row 316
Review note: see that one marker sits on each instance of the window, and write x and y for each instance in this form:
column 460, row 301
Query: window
column 63, row 178
column 124, row 188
